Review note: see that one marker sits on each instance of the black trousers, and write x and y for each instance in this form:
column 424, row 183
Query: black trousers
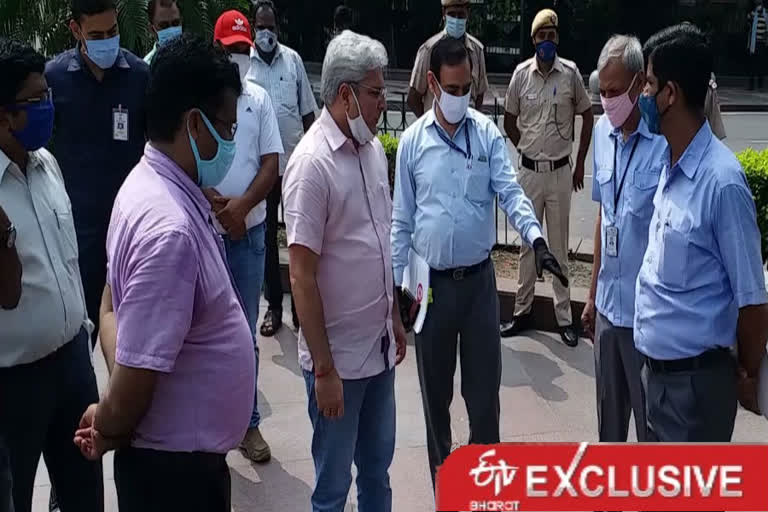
column 273, row 285
column 93, row 271
column 41, row 404
column 6, row 482
column 462, row 320
column 758, row 65
column 159, row 481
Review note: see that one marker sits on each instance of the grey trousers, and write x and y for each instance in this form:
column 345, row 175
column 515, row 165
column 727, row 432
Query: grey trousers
column 618, row 367
column 692, row 406
column 463, row 319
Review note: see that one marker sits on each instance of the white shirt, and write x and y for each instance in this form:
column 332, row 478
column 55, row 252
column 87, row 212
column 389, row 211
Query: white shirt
column 286, row 82
column 257, row 135
column 52, row 307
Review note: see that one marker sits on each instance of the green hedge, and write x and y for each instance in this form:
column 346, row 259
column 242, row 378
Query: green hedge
column 390, row 149
column 755, row 164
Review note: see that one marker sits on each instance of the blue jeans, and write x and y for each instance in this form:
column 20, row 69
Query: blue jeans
column 246, row 261
column 365, row 435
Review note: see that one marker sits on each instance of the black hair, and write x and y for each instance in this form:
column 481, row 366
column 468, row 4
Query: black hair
column 17, row 62
column 448, row 52
column 682, row 54
column 263, row 4
column 152, row 7
column 342, row 17
column 205, row 72
column 82, row 8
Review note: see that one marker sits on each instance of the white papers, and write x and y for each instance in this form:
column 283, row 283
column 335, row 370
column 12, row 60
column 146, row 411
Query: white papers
column 762, row 390
column 416, row 281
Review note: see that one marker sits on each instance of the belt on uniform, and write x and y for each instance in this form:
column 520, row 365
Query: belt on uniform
column 704, row 360
column 459, row 273
column 544, row 165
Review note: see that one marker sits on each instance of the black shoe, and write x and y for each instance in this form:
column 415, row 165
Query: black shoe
column 296, row 324
column 569, row 335
column 516, row 326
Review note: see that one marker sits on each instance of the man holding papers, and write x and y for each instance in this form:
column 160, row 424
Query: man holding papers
column 451, row 164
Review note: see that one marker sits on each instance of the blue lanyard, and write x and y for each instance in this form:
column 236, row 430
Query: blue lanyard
column 468, row 153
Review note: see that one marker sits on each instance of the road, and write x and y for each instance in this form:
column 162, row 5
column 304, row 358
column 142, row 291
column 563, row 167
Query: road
column 743, row 130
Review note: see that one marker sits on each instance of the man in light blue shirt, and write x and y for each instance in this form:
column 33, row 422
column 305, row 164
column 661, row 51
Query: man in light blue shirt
column 627, row 163
column 451, row 164
column 701, row 290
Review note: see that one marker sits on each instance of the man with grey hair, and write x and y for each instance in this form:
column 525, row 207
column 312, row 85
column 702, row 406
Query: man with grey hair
column 628, row 160
column 338, row 215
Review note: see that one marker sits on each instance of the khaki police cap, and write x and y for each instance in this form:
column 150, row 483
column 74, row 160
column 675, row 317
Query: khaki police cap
column 546, row 18
column 451, row 3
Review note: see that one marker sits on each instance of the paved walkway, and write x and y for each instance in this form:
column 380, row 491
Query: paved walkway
column 547, row 394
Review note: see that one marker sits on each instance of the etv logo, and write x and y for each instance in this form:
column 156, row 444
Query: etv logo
column 501, row 475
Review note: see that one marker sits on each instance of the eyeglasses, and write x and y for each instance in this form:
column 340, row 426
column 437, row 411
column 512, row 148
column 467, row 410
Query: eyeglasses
column 33, row 100
column 381, row 93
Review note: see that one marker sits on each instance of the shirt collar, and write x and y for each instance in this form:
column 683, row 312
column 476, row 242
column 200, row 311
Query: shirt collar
column 5, row 162
column 690, row 162
column 255, row 54
column 33, row 163
column 76, row 63
column 642, row 129
column 170, row 170
column 333, row 134
column 556, row 66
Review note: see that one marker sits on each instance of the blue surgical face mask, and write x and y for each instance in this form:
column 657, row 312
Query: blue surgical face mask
column 649, row 111
column 103, row 52
column 165, row 35
column 546, row 51
column 211, row 172
column 455, row 27
column 39, row 127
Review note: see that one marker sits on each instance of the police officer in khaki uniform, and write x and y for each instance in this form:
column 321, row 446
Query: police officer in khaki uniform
column 544, row 95
column 455, row 15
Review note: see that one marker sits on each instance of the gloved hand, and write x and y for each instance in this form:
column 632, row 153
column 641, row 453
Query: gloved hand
column 546, row 261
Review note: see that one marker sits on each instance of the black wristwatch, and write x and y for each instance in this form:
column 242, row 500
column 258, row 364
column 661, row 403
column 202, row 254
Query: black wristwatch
column 8, row 237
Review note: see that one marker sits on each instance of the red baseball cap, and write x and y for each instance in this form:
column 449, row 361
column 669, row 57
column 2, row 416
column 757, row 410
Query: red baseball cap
column 233, row 27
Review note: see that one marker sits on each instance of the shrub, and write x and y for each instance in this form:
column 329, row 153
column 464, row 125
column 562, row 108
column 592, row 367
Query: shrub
column 755, row 164
column 390, row 149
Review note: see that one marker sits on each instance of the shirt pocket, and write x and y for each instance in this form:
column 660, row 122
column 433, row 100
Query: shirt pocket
column 287, row 90
column 644, row 187
column 478, row 183
column 675, row 245
column 604, row 179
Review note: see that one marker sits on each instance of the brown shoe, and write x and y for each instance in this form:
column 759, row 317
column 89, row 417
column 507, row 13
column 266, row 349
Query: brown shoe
column 254, row 447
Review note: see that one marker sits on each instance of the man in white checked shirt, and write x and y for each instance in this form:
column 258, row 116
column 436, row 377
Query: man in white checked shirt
column 280, row 71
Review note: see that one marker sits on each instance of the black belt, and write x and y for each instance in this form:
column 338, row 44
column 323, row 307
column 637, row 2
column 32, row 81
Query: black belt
column 459, row 273
column 704, row 360
column 550, row 167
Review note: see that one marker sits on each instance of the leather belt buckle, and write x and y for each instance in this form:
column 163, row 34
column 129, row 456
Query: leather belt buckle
column 458, row 274
column 548, row 167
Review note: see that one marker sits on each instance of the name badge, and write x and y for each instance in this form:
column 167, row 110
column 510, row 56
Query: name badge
column 612, row 241
column 532, row 96
column 120, row 124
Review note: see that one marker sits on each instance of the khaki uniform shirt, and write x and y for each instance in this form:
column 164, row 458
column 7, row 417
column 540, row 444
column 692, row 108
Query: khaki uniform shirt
column 545, row 107
column 421, row 66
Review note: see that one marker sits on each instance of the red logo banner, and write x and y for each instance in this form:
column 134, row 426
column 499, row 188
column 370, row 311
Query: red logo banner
column 584, row 477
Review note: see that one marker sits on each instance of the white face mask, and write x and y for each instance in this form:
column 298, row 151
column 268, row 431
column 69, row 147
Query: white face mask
column 454, row 108
column 266, row 40
column 358, row 126
column 243, row 63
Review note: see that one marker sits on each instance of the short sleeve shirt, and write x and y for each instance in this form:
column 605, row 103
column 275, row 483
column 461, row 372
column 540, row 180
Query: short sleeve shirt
column 257, row 135
column 421, row 67
column 545, row 107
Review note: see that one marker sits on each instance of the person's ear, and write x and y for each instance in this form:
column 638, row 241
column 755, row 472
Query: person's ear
column 557, row 37
column 194, row 124
column 433, row 84
column 76, row 30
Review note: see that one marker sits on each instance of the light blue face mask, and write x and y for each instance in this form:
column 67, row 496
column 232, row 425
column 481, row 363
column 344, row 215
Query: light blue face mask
column 103, row 52
column 165, row 35
column 455, row 27
column 211, row 172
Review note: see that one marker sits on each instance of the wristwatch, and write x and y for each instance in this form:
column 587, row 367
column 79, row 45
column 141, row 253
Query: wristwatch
column 8, row 237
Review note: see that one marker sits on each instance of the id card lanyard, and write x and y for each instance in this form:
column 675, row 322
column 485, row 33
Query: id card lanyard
column 612, row 231
column 468, row 153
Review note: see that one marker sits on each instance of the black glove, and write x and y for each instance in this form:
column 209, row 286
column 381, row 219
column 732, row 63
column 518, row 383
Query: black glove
column 545, row 261
column 409, row 308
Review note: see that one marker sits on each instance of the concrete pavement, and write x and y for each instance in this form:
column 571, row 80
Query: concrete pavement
column 547, row 394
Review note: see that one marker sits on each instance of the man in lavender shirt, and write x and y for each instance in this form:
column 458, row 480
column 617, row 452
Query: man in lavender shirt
column 338, row 215
column 180, row 394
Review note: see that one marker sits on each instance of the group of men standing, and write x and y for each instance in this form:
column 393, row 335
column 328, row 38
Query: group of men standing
column 169, row 211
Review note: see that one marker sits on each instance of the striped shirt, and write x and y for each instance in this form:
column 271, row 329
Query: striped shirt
column 760, row 33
